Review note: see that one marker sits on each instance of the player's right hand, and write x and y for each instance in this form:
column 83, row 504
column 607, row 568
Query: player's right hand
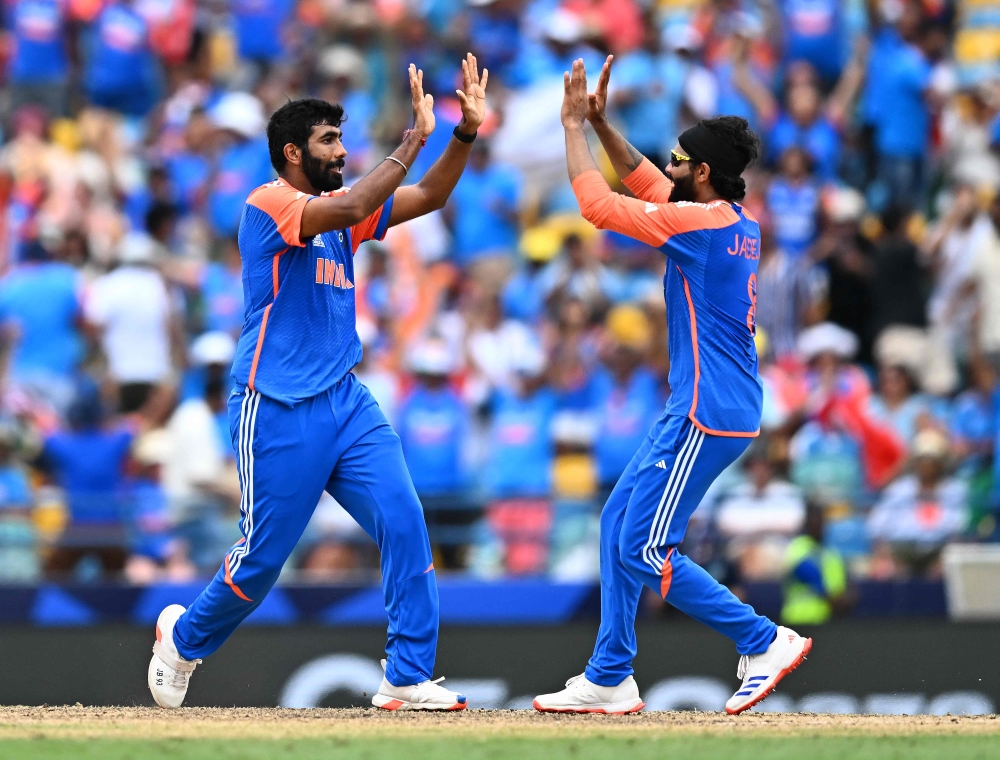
column 597, row 102
column 423, row 105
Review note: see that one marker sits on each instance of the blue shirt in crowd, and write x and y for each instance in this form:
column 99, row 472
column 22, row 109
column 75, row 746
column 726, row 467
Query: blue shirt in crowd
column 820, row 140
column 222, row 293
column 41, row 302
column 432, row 425
column 89, row 466
column 243, row 167
column 521, row 445
column 121, row 69
column 625, row 413
column 898, row 76
column 651, row 117
column 14, row 488
column 258, row 26
column 793, row 211
column 480, row 201
column 188, row 174
column 39, row 56
column 813, row 33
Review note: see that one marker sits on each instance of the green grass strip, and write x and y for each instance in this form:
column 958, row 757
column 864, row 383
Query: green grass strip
column 595, row 747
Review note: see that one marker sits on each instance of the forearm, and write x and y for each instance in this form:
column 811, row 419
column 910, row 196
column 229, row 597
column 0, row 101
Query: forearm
column 342, row 211
column 578, row 156
column 440, row 180
column 624, row 157
column 435, row 187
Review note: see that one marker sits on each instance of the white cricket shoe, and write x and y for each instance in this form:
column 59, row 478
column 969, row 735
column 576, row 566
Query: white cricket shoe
column 426, row 695
column 761, row 672
column 169, row 673
column 582, row 696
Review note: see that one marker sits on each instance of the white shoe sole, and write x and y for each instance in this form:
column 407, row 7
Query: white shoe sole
column 606, row 708
column 795, row 659
column 391, row 703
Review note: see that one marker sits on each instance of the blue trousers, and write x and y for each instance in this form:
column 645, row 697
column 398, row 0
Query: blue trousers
column 642, row 523
column 338, row 441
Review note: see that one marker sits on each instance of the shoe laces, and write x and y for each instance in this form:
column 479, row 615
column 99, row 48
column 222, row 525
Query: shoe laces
column 741, row 669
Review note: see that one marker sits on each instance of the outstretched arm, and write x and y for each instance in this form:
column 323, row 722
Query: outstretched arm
column 654, row 186
column 342, row 211
column 432, row 191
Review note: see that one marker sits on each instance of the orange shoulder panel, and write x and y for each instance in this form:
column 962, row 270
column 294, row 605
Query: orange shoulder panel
column 284, row 204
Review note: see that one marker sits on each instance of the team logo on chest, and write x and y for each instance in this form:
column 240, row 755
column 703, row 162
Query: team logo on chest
column 330, row 272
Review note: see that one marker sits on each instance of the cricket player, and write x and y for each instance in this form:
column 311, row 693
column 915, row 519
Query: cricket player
column 301, row 422
column 712, row 247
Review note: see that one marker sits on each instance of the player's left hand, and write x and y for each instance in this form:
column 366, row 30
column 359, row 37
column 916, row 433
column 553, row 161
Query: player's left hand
column 472, row 95
column 575, row 102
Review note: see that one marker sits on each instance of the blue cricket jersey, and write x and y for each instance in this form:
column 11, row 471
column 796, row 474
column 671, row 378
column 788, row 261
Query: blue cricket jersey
column 299, row 335
column 710, row 288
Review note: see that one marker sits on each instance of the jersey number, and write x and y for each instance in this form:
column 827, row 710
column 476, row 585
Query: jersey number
column 752, row 313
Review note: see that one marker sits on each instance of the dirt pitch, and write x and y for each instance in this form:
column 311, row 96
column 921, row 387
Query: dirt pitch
column 270, row 723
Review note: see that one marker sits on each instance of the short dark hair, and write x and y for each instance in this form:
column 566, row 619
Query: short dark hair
column 293, row 123
column 736, row 132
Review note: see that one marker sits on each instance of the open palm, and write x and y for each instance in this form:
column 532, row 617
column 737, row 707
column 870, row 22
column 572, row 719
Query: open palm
column 473, row 93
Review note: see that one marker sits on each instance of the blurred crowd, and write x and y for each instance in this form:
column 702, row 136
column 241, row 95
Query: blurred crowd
column 519, row 353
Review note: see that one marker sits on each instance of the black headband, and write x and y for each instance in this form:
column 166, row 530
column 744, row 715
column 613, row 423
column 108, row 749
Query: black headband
column 702, row 145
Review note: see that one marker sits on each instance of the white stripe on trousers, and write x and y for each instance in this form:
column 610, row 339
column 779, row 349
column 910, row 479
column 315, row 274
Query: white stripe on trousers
column 661, row 537
column 248, row 424
column 679, row 463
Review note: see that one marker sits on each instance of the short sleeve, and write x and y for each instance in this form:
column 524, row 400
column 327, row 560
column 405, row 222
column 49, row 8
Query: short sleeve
column 284, row 205
column 373, row 227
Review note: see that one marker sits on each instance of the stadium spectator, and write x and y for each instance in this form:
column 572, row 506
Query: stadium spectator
column 40, row 312
column 39, row 67
column 199, row 476
column 88, row 462
column 793, row 202
column 131, row 311
column 761, row 514
column 625, row 395
column 122, row 72
column 815, row 576
column 483, row 213
column 919, row 512
column 20, row 559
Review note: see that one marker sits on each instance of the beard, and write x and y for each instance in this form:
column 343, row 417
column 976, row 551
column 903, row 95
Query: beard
column 322, row 175
column 683, row 189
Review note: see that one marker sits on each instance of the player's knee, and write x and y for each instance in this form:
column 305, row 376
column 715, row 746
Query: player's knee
column 633, row 553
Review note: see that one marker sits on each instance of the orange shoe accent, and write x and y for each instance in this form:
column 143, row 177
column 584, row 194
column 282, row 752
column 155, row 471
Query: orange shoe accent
column 667, row 573
column 233, row 586
column 393, row 704
column 458, row 706
column 582, row 711
column 159, row 635
column 798, row 661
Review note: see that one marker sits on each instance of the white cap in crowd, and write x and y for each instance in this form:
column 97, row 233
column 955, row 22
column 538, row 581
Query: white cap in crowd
column 239, row 112
column 214, row 347
column 825, row 338
column 432, row 357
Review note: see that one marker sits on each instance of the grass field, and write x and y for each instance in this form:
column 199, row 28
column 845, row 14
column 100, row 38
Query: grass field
column 271, row 734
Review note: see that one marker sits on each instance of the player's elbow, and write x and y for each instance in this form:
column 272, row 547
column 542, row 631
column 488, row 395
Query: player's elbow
column 594, row 211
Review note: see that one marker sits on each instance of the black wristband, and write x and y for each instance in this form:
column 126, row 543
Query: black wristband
column 462, row 137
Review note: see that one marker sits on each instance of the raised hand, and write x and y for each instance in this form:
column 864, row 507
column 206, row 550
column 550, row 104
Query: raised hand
column 472, row 95
column 575, row 101
column 597, row 102
column 423, row 105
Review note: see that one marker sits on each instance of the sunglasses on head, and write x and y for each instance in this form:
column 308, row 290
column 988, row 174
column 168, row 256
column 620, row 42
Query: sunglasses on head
column 676, row 159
